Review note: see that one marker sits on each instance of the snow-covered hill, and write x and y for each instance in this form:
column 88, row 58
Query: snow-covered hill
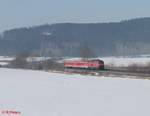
column 35, row 93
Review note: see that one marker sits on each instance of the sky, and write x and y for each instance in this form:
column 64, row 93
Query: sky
column 25, row 13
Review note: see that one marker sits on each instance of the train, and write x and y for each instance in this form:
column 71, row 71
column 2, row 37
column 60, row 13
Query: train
column 94, row 64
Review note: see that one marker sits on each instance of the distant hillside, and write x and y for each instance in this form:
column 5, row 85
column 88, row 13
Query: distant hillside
column 122, row 38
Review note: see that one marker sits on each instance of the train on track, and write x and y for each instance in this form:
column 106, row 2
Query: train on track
column 94, row 64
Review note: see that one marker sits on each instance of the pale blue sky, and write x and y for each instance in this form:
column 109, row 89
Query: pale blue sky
column 18, row 13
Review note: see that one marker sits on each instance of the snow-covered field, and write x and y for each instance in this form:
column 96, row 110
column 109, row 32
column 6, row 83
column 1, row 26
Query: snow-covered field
column 120, row 61
column 35, row 93
column 5, row 59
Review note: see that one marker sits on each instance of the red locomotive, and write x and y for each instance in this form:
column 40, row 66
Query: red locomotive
column 82, row 64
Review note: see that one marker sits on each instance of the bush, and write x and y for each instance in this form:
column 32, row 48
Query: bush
column 20, row 61
column 139, row 68
column 51, row 64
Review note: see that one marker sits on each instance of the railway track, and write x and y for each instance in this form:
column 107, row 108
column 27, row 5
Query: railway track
column 125, row 73
column 113, row 72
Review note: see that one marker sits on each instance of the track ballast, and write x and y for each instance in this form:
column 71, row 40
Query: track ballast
column 112, row 72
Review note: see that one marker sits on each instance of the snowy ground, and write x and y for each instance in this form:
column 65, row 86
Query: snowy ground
column 120, row 61
column 7, row 58
column 35, row 93
column 4, row 60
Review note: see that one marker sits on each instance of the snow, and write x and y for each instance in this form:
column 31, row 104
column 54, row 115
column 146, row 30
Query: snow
column 37, row 93
column 121, row 61
column 3, row 63
column 31, row 59
column 6, row 58
column 46, row 33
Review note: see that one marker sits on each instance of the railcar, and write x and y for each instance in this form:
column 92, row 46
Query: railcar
column 82, row 64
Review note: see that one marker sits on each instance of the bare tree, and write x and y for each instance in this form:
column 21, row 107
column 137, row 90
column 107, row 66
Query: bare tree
column 20, row 61
column 86, row 52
